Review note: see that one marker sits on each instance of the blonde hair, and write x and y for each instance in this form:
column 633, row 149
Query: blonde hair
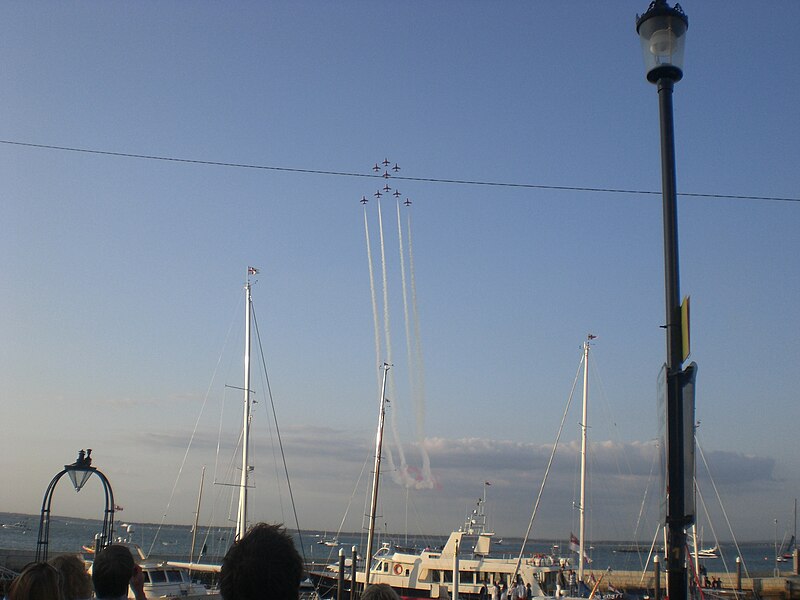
column 76, row 583
column 38, row 581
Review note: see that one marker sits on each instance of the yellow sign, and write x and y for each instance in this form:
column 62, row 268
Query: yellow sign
column 685, row 339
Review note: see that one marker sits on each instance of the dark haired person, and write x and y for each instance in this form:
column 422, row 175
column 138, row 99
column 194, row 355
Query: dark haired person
column 263, row 564
column 113, row 571
column 379, row 591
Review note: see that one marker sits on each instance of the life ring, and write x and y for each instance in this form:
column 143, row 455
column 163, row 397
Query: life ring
column 398, row 569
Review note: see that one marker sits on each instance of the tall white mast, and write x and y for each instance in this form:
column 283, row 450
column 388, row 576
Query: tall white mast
column 241, row 516
column 376, row 478
column 584, row 428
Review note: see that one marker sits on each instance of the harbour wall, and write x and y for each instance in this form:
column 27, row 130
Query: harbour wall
column 785, row 587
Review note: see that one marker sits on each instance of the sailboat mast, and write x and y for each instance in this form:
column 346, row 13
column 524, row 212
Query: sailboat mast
column 376, row 478
column 241, row 517
column 584, row 429
column 196, row 518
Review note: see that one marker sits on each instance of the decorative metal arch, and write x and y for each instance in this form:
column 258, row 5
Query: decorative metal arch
column 82, row 466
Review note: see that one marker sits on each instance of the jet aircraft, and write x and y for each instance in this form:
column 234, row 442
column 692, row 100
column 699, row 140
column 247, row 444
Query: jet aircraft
column 364, row 200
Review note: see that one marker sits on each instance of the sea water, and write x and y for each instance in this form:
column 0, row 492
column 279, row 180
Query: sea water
column 174, row 542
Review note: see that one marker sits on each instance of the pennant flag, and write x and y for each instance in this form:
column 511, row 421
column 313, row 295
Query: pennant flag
column 575, row 546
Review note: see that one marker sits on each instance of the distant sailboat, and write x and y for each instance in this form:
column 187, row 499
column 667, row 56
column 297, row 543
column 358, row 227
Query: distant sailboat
column 708, row 553
column 787, row 550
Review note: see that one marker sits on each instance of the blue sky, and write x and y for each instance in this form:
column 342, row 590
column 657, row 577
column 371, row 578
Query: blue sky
column 122, row 276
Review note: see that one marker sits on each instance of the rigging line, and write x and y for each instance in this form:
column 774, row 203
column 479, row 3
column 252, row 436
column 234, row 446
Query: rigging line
column 186, row 453
column 698, row 492
column 650, row 554
column 274, row 458
column 352, row 495
column 280, row 439
column 562, row 188
column 643, row 565
column 719, row 499
column 547, row 470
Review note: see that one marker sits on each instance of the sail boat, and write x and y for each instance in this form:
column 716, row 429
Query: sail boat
column 787, row 550
column 241, row 513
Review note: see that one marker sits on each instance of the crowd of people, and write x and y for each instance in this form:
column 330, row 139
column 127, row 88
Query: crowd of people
column 65, row 578
column 264, row 563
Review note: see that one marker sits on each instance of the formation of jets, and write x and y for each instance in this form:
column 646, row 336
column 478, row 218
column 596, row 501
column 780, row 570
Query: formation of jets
column 386, row 175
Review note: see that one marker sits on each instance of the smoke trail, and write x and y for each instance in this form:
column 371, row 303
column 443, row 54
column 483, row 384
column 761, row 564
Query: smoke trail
column 387, row 336
column 406, row 479
column 375, row 321
column 402, row 474
column 419, row 371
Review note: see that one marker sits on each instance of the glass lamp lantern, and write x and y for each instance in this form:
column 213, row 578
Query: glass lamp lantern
column 662, row 32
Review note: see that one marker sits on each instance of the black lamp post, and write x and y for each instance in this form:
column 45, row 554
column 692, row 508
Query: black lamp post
column 79, row 473
column 662, row 31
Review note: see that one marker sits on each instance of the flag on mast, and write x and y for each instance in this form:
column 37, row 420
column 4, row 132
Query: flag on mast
column 574, row 545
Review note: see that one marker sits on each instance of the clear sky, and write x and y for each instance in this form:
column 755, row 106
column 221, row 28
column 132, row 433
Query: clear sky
column 122, row 277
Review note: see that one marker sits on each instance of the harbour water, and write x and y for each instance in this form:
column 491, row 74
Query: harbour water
column 68, row 534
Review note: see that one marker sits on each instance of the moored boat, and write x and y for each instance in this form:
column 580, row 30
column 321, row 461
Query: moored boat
column 161, row 579
column 464, row 560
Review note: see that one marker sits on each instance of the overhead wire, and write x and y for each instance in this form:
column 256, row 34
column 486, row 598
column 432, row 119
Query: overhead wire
column 507, row 184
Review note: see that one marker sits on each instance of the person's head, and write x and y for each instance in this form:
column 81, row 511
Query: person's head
column 112, row 571
column 76, row 582
column 379, row 591
column 38, row 581
column 264, row 559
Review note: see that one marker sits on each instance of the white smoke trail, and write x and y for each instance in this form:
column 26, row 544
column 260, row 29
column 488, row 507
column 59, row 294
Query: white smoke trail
column 402, row 474
column 419, row 371
column 387, row 336
column 405, row 476
column 375, row 321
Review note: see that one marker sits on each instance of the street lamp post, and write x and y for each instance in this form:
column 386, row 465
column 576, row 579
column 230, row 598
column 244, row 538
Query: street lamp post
column 662, row 31
column 79, row 472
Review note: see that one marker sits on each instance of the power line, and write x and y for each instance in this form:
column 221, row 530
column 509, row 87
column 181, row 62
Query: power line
column 535, row 186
